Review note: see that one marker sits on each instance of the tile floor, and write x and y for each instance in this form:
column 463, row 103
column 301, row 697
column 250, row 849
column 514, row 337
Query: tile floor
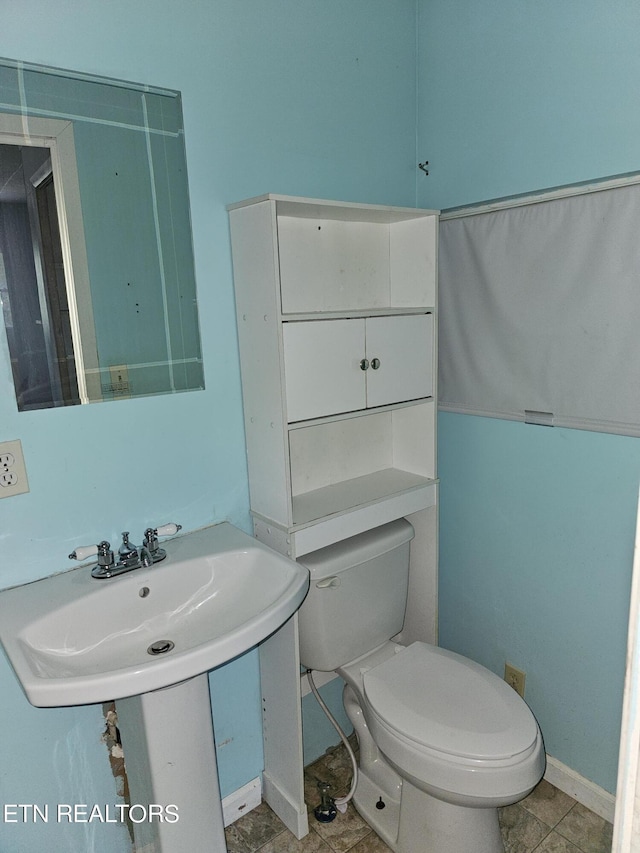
column 548, row 821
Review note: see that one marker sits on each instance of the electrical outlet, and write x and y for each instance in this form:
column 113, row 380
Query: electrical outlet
column 515, row 678
column 13, row 474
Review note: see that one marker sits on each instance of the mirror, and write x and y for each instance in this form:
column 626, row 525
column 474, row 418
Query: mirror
column 96, row 260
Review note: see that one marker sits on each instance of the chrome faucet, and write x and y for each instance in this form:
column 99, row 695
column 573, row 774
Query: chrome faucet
column 127, row 553
column 129, row 556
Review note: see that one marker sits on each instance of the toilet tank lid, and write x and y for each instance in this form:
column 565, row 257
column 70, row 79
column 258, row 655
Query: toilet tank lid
column 358, row 549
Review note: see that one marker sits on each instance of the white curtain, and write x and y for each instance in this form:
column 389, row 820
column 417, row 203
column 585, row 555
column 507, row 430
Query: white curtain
column 539, row 312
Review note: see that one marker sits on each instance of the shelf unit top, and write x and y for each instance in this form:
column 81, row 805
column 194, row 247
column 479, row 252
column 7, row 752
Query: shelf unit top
column 317, row 208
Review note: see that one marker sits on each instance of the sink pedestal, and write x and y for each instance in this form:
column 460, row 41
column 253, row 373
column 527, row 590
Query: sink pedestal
column 170, row 759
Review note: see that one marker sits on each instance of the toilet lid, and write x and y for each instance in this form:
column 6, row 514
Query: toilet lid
column 446, row 702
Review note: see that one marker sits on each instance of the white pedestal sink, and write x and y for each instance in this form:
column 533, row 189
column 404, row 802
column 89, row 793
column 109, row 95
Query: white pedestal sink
column 74, row 640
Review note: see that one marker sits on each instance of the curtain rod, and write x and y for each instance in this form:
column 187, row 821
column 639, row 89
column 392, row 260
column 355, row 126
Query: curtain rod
column 566, row 191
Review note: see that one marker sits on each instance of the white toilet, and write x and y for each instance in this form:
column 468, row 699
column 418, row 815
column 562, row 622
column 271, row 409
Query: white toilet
column 443, row 741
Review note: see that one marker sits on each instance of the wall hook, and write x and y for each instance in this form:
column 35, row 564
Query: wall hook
column 423, row 166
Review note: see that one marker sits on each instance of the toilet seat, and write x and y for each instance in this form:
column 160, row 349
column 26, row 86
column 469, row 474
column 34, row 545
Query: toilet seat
column 449, row 705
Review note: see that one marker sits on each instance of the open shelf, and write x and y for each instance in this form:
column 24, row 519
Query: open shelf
column 339, row 465
column 341, row 264
column 348, row 495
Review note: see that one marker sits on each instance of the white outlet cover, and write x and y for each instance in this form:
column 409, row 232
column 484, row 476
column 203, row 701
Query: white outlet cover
column 13, row 474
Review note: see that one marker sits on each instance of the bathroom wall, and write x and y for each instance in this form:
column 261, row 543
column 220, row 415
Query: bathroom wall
column 537, row 524
column 318, row 98
column 309, row 98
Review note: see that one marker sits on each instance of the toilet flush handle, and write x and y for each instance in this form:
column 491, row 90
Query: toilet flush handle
column 329, row 583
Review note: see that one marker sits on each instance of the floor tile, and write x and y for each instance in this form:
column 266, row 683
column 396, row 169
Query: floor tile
column 253, row 830
column 521, row 831
column 547, row 803
column 556, row 843
column 372, row 843
column 235, row 841
column 588, row 831
column 286, row 842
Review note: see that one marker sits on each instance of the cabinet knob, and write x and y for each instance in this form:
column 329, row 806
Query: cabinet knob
column 375, row 363
column 364, row 364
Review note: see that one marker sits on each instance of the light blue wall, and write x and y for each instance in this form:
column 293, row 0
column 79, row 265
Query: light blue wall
column 518, row 95
column 309, row 98
column 319, row 734
column 535, row 561
column 537, row 524
column 318, row 98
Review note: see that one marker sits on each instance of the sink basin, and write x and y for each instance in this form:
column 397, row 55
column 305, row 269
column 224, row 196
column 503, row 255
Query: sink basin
column 74, row 640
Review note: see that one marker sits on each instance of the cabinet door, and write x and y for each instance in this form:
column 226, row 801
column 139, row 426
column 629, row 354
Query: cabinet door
column 400, row 354
column 322, row 367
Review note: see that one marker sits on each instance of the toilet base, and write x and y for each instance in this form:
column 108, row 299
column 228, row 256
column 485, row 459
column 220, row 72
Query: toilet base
column 384, row 821
column 428, row 825
column 419, row 823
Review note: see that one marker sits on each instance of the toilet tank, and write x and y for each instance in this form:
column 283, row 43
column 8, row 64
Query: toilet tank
column 357, row 596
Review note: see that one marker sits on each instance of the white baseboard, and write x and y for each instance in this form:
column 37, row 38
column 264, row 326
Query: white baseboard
column 591, row 796
column 239, row 802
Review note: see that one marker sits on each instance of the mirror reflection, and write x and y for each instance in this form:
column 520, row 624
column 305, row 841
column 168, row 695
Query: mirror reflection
column 96, row 262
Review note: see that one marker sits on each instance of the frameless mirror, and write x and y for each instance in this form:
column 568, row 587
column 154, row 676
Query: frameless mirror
column 96, row 259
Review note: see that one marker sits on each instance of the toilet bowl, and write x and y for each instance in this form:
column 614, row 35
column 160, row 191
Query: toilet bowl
column 459, row 741
column 443, row 741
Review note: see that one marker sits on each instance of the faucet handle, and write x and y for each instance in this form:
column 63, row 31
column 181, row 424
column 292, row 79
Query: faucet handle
column 102, row 550
column 150, row 541
column 151, row 533
column 83, row 552
column 168, row 529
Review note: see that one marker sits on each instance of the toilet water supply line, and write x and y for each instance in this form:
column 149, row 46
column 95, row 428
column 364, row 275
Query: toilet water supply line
column 339, row 802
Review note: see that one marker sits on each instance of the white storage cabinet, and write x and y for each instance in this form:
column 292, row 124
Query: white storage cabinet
column 335, row 366
column 336, row 307
column 336, row 319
